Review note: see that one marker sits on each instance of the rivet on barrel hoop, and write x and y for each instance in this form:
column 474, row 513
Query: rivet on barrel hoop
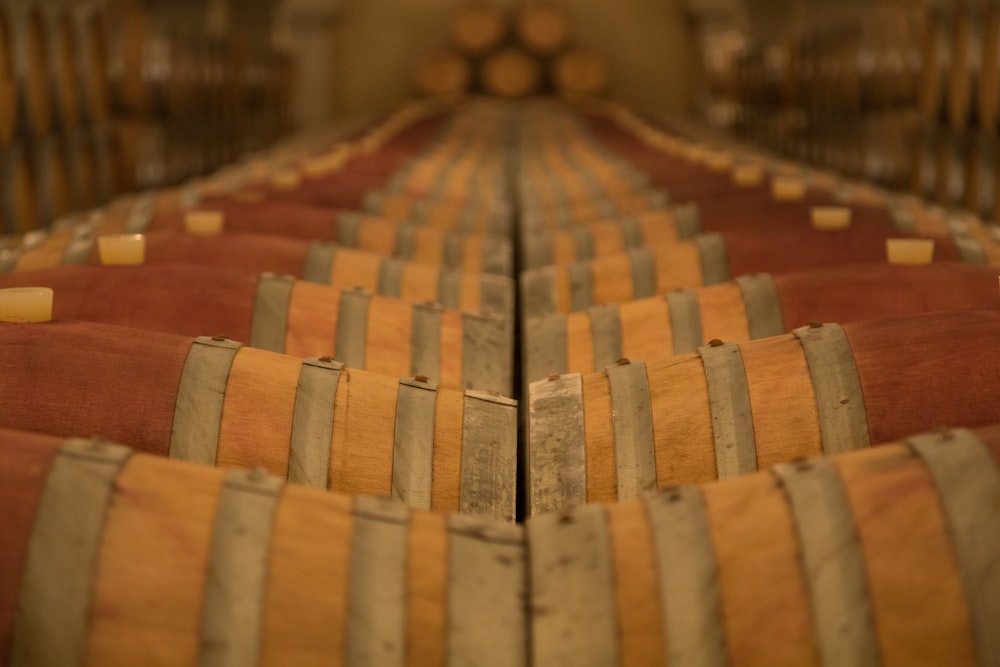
column 815, row 325
column 715, row 342
column 553, row 377
column 623, row 362
column 220, row 338
column 420, row 378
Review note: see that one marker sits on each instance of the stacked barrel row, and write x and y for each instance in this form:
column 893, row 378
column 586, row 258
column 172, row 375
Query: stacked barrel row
column 880, row 556
column 884, row 555
column 350, row 376
column 56, row 141
column 698, row 312
column 98, row 99
column 511, row 54
column 188, row 100
column 906, row 95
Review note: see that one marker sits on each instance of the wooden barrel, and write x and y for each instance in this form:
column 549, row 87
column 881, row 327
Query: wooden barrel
column 8, row 80
column 511, row 73
column 949, row 168
column 156, row 67
column 56, row 195
column 600, row 239
column 451, row 348
column 482, row 189
column 980, row 161
column 478, row 27
column 916, row 215
column 244, row 570
column 213, row 401
column 345, row 189
column 574, row 173
column 733, row 408
column 876, row 557
column 315, row 262
column 64, row 51
column 709, row 259
column 92, row 66
column 140, row 155
column 725, row 205
column 923, row 180
column 30, row 57
column 543, row 27
column 19, row 203
column 966, row 61
column 453, row 216
column 85, row 170
column 473, row 253
column 987, row 87
column 588, row 210
column 580, row 72
column 106, row 166
column 579, row 285
column 442, row 72
column 452, row 175
column 544, row 186
column 751, row 307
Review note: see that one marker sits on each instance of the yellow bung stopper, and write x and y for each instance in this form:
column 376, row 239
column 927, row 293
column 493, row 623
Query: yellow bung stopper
column 122, row 249
column 910, row 252
column 748, row 175
column 286, row 180
column 719, row 161
column 788, row 188
column 829, row 218
column 204, row 223
column 26, row 304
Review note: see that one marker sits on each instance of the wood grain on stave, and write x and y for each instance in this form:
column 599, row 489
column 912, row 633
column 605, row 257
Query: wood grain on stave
column 214, row 401
column 734, row 408
column 454, row 349
column 300, row 576
column 321, row 263
column 751, row 307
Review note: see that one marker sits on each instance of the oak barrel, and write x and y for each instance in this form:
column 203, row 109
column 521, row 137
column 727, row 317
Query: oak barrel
column 471, row 252
column 211, row 400
column 543, row 26
column 709, row 259
column 64, row 51
column 877, row 557
column 511, row 73
column 716, row 573
column 477, row 27
column 19, row 211
column 8, row 81
column 733, row 408
column 493, row 218
column 92, row 63
column 442, row 72
column 30, row 59
column 453, row 349
column 611, row 237
column 242, row 568
column 581, row 72
column 321, row 263
column 750, row 307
